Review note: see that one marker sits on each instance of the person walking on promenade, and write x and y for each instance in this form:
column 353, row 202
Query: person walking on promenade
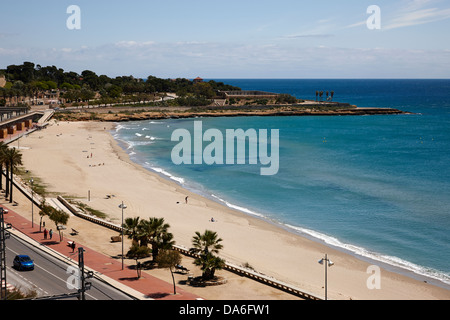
column 45, row 234
column 50, row 233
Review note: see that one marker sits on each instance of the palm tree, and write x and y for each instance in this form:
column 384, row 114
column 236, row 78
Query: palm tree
column 209, row 263
column 155, row 231
column 3, row 148
column 208, row 243
column 5, row 162
column 203, row 242
column 131, row 227
column 14, row 159
column 317, row 94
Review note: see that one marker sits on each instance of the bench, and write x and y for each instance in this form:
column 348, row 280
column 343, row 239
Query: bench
column 116, row 238
column 74, row 232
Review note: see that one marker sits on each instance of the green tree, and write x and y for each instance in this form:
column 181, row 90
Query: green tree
column 42, row 214
column 138, row 252
column 13, row 159
column 169, row 259
column 52, row 85
column 57, row 216
column 66, row 86
column 114, row 91
column 87, row 94
column 3, row 95
column 91, row 79
column 204, row 89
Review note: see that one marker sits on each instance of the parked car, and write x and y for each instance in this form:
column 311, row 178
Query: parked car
column 23, row 262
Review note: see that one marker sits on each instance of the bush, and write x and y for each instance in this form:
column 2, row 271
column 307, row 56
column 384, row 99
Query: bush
column 286, row 98
column 191, row 101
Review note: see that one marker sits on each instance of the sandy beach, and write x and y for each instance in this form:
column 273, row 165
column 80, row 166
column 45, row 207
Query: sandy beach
column 61, row 156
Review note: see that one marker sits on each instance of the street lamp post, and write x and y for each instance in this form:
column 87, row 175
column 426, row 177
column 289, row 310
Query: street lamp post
column 122, row 206
column 32, row 204
column 328, row 263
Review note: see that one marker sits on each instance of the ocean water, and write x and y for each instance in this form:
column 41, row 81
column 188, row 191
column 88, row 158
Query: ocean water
column 378, row 186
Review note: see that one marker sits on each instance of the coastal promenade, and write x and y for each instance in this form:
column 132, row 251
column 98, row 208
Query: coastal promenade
column 107, row 268
column 69, row 173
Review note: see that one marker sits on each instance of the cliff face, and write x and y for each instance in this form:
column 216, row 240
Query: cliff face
column 2, row 81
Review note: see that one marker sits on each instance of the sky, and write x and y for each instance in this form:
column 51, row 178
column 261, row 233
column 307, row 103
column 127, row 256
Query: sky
column 231, row 39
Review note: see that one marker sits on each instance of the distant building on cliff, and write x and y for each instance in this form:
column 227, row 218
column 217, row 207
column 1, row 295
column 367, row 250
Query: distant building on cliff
column 198, row 80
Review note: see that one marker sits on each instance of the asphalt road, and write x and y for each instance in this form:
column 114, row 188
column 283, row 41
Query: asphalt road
column 51, row 276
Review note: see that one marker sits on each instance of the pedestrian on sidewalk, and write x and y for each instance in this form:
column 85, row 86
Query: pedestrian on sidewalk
column 73, row 246
column 45, row 234
column 50, row 233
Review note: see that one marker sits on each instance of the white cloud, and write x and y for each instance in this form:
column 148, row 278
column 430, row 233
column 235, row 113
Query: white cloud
column 417, row 17
column 408, row 13
column 228, row 60
column 357, row 24
column 133, row 44
column 309, row 36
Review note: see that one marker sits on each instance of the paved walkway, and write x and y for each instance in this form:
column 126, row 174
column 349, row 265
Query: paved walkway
column 146, row 287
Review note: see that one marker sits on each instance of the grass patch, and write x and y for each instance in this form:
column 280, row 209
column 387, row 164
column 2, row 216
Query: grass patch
column 39, row 187
column 89, row 210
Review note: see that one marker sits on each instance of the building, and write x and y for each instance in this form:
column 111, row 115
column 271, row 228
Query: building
column 198, row 80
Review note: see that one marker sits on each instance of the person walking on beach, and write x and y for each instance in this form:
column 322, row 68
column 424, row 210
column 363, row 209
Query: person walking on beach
column 185, row 199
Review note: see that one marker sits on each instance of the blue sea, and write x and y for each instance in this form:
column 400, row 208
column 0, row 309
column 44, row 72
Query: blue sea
column 377, row 186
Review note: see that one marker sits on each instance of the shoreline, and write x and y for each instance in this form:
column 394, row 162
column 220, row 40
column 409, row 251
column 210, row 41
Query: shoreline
column 393, row 263
column 243, row 228
column 387, row 262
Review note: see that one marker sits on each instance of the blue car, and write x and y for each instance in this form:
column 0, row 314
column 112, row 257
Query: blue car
column 23, row 262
